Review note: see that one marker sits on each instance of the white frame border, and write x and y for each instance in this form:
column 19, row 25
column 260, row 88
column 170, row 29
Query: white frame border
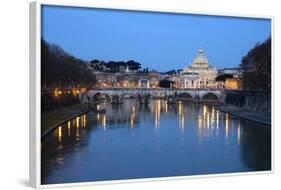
column 35, row 89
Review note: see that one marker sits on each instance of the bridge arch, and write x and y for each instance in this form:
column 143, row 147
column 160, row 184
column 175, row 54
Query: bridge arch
column 210, row 97
column 116, row 95
column 185, row 96
column 94, row 97
column 131, row 94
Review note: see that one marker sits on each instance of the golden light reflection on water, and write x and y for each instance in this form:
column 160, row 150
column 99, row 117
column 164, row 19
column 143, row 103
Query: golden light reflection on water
column 208, row 120
column 226, row 125
column 103, row 121
column 77, row 121
column 181, row 114
column 213, row 118
column 132, row 117
column 205, row 110
column 158, row 106
column 180, row 107
column 68, row 128
column 211, row 123
column 199, row 121
column 84, row 121
column 77, row 134
column 59, row 134
column 157, row 113
column 182, row 121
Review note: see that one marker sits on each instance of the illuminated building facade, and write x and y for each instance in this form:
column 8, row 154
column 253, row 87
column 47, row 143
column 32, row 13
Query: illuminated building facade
column 128, row 80
column 200, row 74
column 233, row 83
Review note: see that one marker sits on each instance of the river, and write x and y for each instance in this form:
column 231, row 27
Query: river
column 133, row 141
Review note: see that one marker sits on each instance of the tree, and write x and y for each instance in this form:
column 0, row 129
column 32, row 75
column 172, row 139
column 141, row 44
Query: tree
column 223, row 77
column 95, row 61
column 133, row 65
column 256, row 67
column 60, row 69
column 165, row 83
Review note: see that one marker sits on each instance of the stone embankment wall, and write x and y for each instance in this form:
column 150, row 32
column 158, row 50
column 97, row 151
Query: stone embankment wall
column 259, row 101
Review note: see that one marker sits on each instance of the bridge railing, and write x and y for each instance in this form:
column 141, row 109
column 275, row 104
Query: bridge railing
column 149, row 89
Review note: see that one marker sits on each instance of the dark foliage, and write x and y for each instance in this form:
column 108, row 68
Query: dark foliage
column 223, row 77
column 60, row 69
column 133, row 65
column 115, row 66
column 165, row 83
column 256, row 67
column 49, row 102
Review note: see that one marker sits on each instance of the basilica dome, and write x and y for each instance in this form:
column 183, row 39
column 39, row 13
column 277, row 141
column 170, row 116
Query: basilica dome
column 200, row 74
column 200, row 61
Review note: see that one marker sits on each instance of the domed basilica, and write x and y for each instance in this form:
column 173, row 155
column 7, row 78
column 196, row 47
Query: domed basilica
column 200, row 74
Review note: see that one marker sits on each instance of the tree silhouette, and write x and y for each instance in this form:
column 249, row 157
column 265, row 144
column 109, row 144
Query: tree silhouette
column 60, row 69
column 165, row 83
column 223, row 77
column 256, row 67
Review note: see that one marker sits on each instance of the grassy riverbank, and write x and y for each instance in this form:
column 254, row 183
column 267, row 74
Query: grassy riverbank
column 51, row 118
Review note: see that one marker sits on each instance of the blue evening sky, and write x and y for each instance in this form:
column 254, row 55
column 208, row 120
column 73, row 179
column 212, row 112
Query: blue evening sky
column 158, row 41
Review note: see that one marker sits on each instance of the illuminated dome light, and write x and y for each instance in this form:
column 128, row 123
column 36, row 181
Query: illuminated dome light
column 200, row 61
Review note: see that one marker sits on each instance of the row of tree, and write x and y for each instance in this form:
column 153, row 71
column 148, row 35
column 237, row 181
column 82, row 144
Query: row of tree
column 115, row 66
column 60, row 69
column 256, row 67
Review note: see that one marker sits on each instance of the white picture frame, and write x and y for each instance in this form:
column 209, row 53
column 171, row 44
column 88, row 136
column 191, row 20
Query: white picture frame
column 35, row 92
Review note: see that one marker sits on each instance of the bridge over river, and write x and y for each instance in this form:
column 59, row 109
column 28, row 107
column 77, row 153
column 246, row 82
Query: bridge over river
column 116, row 95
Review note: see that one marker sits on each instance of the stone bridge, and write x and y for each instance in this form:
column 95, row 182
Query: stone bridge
column 116, row 95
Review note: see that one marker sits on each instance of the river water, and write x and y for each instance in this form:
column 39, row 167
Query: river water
column 134, row 141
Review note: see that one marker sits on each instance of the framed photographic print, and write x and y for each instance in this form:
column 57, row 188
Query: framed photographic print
column 122, row 94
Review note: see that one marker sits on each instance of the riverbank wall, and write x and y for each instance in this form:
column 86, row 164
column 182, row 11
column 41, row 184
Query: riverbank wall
column 52, row 128
column 257, row 101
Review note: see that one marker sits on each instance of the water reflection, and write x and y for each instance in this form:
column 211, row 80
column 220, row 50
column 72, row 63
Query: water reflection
column 218, row 118
column 84, row 120
column 77, row 122
column 195, row 138
column 181, row 114
column 68, row 128
column 103, row 121
column 199, row 122
column 157, row 113
column 238, row 132
column 132, row 117
column 59, row 134
column 226, row 126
